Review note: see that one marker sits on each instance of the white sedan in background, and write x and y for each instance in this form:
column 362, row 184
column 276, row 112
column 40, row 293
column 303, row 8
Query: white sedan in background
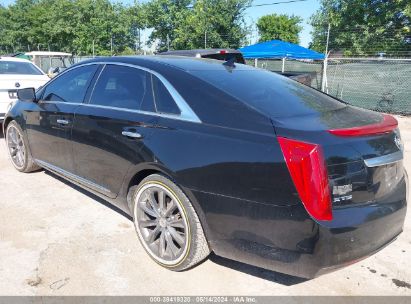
column 16, row 73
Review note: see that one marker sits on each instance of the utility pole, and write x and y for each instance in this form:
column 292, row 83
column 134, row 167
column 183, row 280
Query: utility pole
column 168, row 43
column 328, row 39
column 138, row 41
column 205, row 39
column 93, row 48
column 111, row 45
column 324, row 82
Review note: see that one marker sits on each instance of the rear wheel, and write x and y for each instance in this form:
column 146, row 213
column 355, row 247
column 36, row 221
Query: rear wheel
column 167, row 224
column 18, row 149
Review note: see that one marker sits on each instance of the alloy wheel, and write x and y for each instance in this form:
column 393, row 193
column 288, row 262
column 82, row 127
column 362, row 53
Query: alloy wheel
column 16, row 146
column 161, row 224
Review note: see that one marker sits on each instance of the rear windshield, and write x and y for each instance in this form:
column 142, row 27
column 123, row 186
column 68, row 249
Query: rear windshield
column 270, row 93
column 15, row 67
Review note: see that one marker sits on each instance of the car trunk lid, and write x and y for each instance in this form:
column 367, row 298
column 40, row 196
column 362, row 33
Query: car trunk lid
column 10, row 83
column 362, row 152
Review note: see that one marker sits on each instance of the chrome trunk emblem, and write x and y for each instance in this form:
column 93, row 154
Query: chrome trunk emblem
column 398, row 142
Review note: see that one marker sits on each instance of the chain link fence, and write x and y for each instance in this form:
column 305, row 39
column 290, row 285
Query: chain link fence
column 379, row 84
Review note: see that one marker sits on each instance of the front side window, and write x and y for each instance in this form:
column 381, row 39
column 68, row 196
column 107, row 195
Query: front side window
column 123, row 87
column 18, row 68
column 70, row 86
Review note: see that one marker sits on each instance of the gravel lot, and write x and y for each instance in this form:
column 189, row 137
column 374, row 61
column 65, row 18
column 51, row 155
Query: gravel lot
column 58, row 240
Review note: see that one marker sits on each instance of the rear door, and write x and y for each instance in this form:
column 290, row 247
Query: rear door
column 49, row 126
column 110, row 130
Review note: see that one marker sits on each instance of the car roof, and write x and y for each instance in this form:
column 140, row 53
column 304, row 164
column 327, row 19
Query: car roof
column 196, row 52
column 178, row 62
column 14, row 59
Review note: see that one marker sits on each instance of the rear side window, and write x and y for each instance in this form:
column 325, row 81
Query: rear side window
column 123, row 87
column 164, row 101
column 70, row 86
column 269, row 93
column 15, row 67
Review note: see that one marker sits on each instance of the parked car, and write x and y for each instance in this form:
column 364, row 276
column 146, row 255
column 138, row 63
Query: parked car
column 17, row 73
column 51, row 63
column 208, row 157
column 218, row 54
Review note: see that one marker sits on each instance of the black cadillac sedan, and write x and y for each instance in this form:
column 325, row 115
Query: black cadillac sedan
column 209, row 156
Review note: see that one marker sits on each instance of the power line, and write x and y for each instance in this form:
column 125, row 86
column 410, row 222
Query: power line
column 275, row 3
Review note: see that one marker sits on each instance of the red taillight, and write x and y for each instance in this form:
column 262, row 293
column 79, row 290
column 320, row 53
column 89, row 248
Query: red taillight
column 222, row 52
column 307, row 167
column 387, row 124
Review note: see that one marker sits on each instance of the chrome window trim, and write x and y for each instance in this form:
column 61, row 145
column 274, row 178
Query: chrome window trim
column 170, row 116
column 384, row 160
column 72, row 176
column 187, row 114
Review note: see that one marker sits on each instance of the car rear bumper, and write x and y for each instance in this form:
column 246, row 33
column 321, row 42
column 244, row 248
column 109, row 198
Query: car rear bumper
column 297, row 245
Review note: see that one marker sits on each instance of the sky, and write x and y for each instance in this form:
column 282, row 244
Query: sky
column 303, row 9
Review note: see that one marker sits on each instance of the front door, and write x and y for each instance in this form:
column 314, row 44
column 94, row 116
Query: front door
column 49, row 125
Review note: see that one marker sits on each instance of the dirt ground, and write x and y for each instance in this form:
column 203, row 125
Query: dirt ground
column 56, row 239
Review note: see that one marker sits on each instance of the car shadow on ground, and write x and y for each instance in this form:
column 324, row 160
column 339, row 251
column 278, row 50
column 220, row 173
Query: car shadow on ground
column 269, row 275
column 275, row 277
column 89, row 194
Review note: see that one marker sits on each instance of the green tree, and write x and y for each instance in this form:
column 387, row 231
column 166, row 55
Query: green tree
column 70, row 25
column 214, row 24
column 203, row 23
column 165, row 17
column 363, row 27
column 279, row 27
column 5, row 41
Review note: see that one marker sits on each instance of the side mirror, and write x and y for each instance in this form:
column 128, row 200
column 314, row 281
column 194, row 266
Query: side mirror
column 28, row 94
column 53, row 70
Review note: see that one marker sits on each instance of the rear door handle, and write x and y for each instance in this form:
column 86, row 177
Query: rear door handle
column 63, row 121
column 132, row 134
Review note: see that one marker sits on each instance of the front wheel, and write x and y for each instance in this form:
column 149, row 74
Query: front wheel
column 18, row 149
column 167, row 224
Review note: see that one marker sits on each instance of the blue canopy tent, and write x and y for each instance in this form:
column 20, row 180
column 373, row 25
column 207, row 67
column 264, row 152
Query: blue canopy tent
column 277, row 49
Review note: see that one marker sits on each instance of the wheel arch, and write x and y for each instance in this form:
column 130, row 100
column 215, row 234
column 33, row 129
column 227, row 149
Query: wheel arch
column 6, row 123
column 141, row 174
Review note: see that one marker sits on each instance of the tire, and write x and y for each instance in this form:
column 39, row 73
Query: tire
column 18, row 149
column 161, row 224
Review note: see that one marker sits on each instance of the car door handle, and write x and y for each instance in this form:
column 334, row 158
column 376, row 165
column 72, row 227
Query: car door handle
column 132, row 134
column 63, row 121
